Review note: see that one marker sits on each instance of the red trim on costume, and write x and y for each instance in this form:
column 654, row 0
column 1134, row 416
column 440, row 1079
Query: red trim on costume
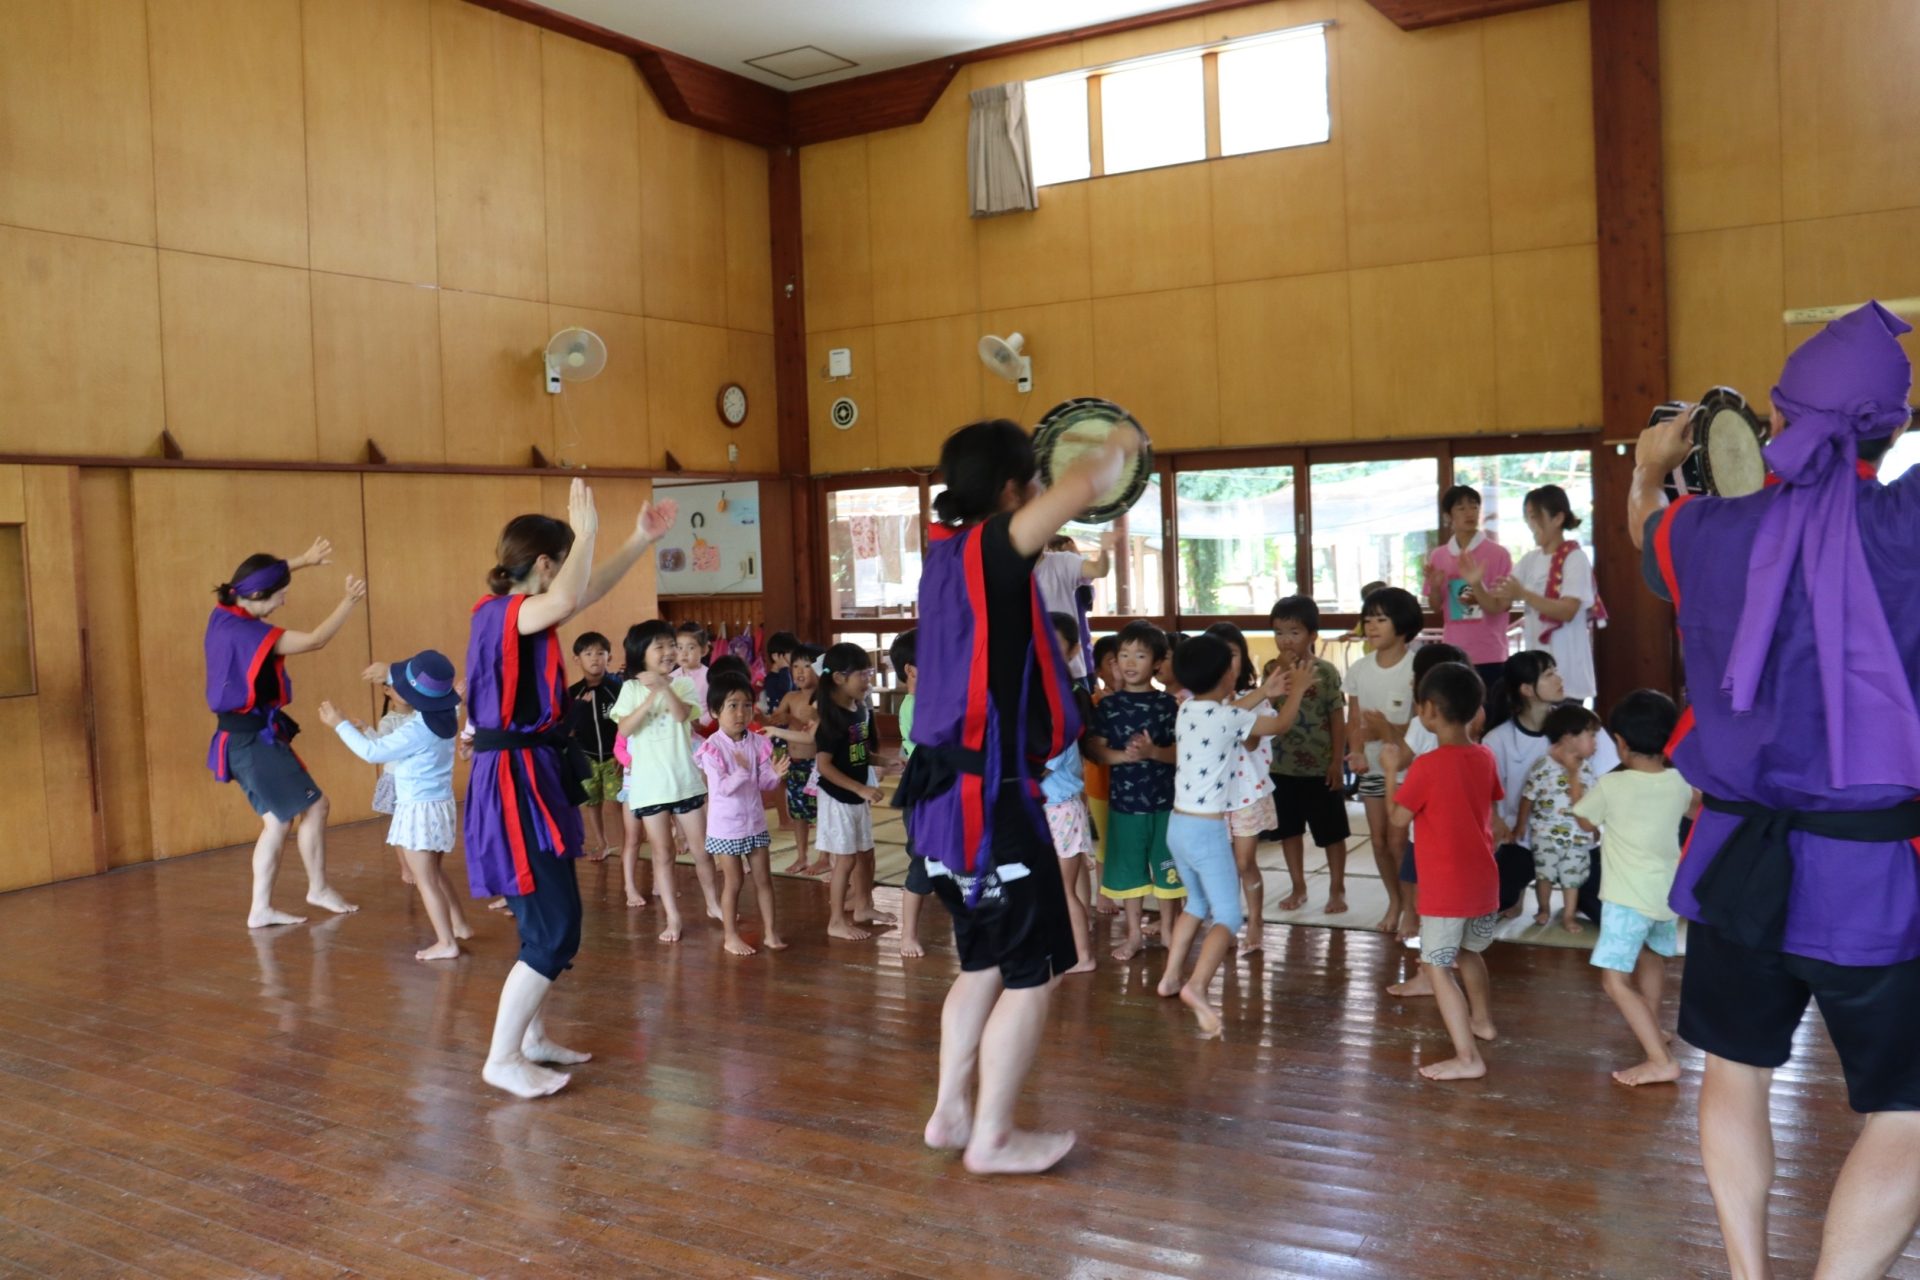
column 973, row 818
column 1663, row 550
column 540, row 803
column 974, row 728
column 1681, row 728
column 941, row 532
column 510, row 661
column 1050, row 675
column 259, row 659
column 556, row 684
column 220, row 771
column 516, row 838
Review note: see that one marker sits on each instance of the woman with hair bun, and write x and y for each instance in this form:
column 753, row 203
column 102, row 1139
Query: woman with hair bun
column 247, row 687
column 522, row 824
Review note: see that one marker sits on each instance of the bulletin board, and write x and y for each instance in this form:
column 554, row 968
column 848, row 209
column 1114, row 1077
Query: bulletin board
column 714, row 546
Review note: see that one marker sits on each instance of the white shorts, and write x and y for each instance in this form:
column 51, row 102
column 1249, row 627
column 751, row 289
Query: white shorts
column 843, row 828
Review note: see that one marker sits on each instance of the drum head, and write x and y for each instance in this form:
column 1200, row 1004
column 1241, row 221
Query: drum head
column 1731, row 444
column 1078, row 426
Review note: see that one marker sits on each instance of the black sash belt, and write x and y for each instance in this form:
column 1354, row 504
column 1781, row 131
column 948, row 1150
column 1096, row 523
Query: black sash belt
column 1744, row 893
column 933, row 771
column 252, row 724
column 554, row 739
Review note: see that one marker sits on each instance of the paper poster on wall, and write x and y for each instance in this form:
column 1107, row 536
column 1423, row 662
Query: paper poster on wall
column 714, row 547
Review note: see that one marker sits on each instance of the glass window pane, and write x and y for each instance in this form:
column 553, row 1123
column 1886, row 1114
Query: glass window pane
column 873, row 551
column 1153, row 115
column 1134, row 586
column 1274, row 94
column 1904, row 454
column 1057, row 129
column 1504, row 480
column 1237, row 540
column 1372, row 522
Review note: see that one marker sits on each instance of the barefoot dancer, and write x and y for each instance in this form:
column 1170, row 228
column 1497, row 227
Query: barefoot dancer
column 418, row 754
column 522, row 826
column 739, row 767
column 972, row 802
column 247, row 686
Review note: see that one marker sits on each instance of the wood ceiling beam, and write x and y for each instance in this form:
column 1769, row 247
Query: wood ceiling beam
column 1413, row 15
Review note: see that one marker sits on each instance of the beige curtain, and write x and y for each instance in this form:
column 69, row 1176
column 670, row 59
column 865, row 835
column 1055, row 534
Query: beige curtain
column 999, row 159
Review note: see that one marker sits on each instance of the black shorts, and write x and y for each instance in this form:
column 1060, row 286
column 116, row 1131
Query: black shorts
column 692, row 804
column 1309, row 804
column 918, row 881
column 274, row 780
column 1744, row 1005
column 1409, row 869
column 1020, row 927
column 549, row 917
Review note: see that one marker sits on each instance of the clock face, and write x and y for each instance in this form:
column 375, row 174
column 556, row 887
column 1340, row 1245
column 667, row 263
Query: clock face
column 733, row 404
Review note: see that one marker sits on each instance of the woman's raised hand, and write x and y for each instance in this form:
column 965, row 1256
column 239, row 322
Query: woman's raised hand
column 581, row 515
column 656, row 518
column 375, row 674
column 356, row 589
column 321, row 552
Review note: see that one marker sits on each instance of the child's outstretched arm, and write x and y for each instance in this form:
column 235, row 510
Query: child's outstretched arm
column 292, row 642
column 1296, row 683
column 873, row 795
column 397, row 745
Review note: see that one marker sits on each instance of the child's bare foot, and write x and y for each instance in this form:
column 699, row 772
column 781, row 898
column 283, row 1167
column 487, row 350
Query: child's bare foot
column 1572, row 925
column 270, row 917
column 1018, row 1152
column 1166, row 992
column 799, row 868
column 1511, row 913
column 1541, row 917
column 1249, row 938
column 818, row 868
column 846, row 930
column 635, row 898
column 1483, row 1029
column 1128, row 949
column 1085, row 966
column 500, row 905
column 329, row 899
column 540, row 1049
column 1455, row 1069
column 772, row 942
column 406, row 877
column 598, row 856
column 1209, row 1019
column 949, row 1131
column 1388, row 923
column 523, row 1079
column 1649, row 1072
column 737, row 946
column 910, row 949
column 671, row 933
column 1418, row 985
column 1150, row 927
column 1105, row 907
column 1336, row 903
column 1298, row 899
column 713, row 911
column 870, row 916
column 437, row 952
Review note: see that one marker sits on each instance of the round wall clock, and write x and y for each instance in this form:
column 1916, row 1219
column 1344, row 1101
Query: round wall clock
column 731, row 404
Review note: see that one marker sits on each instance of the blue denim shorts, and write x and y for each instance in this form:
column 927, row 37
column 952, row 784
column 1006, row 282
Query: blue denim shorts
column 1202, row 851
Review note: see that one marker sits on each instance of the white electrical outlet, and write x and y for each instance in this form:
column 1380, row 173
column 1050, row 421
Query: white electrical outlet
column 733, row 453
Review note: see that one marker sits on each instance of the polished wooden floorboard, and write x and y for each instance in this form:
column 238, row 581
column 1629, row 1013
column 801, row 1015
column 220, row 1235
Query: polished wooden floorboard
column 179, row 1097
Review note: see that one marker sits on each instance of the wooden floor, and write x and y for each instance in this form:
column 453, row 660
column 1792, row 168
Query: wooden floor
column 179, row 1097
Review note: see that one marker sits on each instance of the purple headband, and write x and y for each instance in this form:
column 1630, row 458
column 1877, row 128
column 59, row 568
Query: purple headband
column 263, row 580
column 1847, row 383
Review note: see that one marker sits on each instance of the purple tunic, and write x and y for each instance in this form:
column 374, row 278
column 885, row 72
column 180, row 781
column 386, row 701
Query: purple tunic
column 517, row 807
column 244, row 676
column 962, row 742
column 1852, row 903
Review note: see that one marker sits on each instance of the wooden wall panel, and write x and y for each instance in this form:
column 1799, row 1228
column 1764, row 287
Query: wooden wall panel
column 113, row 661
column 57, row 395
column 57, row 584
column 1032, row 65
column 492, row 379
column 189, row 533
column 686, row 364
column 229, row 138
column 750, row 362
column 602, row 422
column 749, row 238
column 1097, row 51
column 489, row 183
column 855, row 448
column 928, row 384
column 1060, row 340
column 460, row 518
column 835, row 231
column 1836, row 260
column 1414, row 105
column 1540, row 128
column 376, row 368
column 1423, row 355
column 1045, row 256
column 26, row 853
column 1546, row 333
column 1849, row 103
column 1279, row 213
column 1286, row 372
column 591, row 103
column 1151, row 230
column 369, row 138
column 683, row 210
column 1720, row 113
column 13, row 494
column 1156, row 354
column 74, row 112
column 618, row 502
column 1724, row 292
column 237, row 338
column 925, row 261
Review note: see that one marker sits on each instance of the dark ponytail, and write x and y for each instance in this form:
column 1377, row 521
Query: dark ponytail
column 836, row 722
column 1551, row 500
column 251, row 565
column 1503, row 700
column 523, row 541
column 977, row 463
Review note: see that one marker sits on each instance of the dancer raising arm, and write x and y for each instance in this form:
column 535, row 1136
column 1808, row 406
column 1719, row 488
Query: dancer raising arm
column 522, row 825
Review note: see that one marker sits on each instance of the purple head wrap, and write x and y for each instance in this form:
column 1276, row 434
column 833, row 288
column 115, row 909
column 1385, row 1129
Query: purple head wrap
column 265, row 580
column 1848, row 383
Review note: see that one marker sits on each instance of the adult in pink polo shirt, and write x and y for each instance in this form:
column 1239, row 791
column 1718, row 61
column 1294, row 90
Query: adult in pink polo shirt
column 1452, row 584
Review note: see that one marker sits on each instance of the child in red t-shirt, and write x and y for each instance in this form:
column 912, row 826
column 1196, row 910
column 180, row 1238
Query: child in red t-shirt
column 1451, row 790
